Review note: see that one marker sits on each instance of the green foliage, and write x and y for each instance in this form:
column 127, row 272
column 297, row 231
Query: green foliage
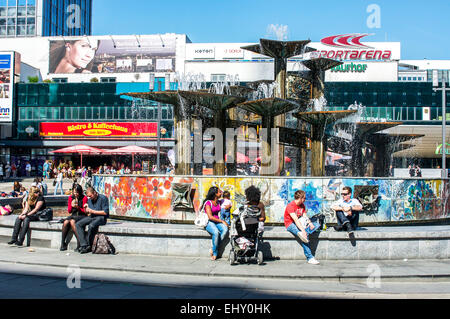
column 94, row 80
column 48, row 81
column 33, row 79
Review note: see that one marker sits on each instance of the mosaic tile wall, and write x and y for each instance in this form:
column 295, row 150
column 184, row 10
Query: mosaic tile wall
column 151, row 196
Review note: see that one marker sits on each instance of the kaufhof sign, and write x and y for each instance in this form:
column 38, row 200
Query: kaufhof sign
column 350, row 67
column 350, row 47
column 96, row 129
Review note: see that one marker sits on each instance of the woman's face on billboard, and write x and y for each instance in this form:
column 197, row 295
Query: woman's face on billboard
column 81, row 53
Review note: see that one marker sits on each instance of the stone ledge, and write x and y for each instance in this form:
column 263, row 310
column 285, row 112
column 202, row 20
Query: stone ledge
column 413, row 242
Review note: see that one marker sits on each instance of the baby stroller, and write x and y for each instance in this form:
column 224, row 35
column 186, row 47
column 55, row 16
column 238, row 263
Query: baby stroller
column 245, row 235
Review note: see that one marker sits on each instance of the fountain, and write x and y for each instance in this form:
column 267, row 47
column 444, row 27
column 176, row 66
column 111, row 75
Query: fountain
column 267, row 104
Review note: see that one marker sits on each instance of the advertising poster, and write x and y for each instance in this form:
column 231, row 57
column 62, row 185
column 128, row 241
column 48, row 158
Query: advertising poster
column 6, row 86
column 96, row 129
column 113, row 55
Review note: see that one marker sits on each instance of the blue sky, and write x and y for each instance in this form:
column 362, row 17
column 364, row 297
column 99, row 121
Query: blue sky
column 422, row 27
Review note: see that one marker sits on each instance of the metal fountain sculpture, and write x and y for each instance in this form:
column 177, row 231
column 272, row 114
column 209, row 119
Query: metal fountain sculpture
column 221, row 109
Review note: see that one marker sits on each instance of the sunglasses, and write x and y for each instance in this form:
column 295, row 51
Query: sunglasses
column 345, row 194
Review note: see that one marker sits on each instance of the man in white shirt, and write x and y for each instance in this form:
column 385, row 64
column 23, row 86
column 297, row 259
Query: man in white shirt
column 28, row 169
column 347, row 211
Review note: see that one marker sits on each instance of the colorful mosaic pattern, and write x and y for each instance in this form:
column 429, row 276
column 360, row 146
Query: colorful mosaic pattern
column 400, row 200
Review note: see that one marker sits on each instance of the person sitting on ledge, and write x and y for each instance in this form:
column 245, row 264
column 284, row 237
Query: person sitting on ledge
column 6, row 210
column 298, row 224
column 217, row 227
column 347, row 211
column 97, row 209
column 77, row 212
column 34, row 204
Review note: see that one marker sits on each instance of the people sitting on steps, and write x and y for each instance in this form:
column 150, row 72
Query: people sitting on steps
column 97, row 210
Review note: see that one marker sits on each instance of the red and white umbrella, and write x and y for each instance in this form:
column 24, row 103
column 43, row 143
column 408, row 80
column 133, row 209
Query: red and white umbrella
column 132, row 149
column 80, row 149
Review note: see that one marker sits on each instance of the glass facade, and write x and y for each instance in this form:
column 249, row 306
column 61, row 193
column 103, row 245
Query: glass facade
column 392, row 101
column 18, row 18
column 66, row 17
column 83, row 102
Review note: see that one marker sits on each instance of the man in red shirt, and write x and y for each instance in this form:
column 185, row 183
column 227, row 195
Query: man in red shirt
column 297, row 222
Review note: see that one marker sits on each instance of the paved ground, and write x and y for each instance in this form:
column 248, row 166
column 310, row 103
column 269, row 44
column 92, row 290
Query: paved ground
column 45, row 273
column 7, row 186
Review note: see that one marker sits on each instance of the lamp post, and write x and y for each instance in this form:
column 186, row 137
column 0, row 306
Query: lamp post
column 444, row 89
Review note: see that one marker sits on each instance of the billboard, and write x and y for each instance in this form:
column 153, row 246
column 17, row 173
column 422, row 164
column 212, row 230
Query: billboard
column 124, row 54
column 6, row 86
column 99, row 129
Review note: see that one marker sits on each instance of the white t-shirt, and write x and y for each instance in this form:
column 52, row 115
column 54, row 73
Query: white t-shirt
column 28, row 167
column 225, row 203
column 351, row 202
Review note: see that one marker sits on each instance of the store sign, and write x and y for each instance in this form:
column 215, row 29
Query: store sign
column 96, row 129
column 204, row 53
column 349, row 47
column 439, row 149
column 350, row 67
column 6, row 86
column 233, row 53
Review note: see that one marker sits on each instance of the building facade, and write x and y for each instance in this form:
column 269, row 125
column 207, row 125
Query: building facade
column 391, row 90
column 29, row 18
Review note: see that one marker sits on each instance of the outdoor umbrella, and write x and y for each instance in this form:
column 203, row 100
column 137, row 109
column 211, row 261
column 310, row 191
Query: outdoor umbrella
column 286, row 159
column 240, row 158
column 132, row 149
column 80, row 149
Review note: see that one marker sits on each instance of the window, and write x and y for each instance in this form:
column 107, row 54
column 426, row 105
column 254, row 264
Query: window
column 60, row 80
column 107, row 80
column 218, row 77
column 414, row 78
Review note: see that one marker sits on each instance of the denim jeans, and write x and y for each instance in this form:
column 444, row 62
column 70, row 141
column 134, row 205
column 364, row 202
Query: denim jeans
column 59, row 185
column 306, row 248
column 218, row 232
column 93, row 222
column 225, row 215
column 342, row 219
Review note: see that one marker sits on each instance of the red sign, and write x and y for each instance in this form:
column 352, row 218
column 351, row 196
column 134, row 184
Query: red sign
column 99, row 129
column 349, row 47
column 346, row 40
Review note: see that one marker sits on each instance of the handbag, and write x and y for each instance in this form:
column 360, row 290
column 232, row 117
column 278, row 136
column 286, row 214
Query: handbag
column 45, row 215
column 202, row 218
column 54, row 182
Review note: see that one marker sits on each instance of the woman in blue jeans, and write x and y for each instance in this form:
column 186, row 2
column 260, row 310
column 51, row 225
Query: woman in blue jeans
column 216, row 227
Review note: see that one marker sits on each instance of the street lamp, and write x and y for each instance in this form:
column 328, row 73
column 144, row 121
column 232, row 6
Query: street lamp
column 444, row 77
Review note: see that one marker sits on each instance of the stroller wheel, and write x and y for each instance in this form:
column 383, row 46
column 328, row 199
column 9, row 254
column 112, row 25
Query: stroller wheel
column 260, row 257
column 232, row 257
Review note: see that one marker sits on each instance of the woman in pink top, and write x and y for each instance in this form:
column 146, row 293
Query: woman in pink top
column 216, row 227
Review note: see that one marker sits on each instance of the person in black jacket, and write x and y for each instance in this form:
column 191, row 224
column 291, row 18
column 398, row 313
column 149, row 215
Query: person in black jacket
column 34, row 204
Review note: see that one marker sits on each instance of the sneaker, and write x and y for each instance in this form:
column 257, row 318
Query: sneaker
column 85, row 250
column 12, row 242
column 313, row 261
column 304, row 239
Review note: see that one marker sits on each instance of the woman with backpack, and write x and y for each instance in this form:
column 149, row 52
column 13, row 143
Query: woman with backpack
column 216, row 227
column 77, row 212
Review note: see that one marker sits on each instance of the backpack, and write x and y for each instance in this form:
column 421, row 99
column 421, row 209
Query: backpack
column 102, row 245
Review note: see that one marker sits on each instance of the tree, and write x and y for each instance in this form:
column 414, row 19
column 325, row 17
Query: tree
column 33, row 79
column 94, row 80
column 48, row 81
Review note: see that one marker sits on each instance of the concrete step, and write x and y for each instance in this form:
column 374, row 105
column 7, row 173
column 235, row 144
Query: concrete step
column 371, row 243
